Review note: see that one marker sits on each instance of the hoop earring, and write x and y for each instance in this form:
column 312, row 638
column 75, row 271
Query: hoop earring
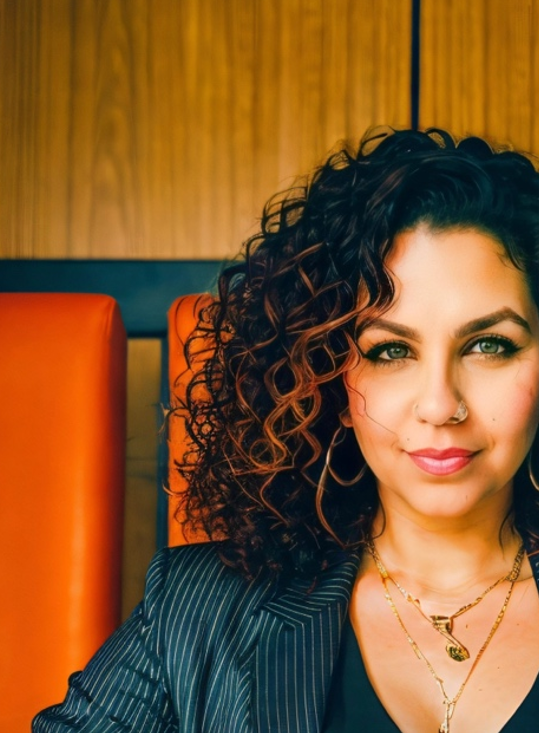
column 533, row 480
column 338, row 438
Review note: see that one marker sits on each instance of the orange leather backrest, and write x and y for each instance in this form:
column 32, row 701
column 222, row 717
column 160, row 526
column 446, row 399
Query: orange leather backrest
column 62, row 458
column 182, row 320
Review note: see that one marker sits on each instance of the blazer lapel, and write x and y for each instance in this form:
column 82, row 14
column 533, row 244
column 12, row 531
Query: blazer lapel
column 298, row 644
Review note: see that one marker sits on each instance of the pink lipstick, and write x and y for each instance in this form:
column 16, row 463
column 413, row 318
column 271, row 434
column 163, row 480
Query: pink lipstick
column 442, row 462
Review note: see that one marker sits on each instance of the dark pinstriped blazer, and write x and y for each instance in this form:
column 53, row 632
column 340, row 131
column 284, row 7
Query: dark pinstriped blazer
column 207, row 652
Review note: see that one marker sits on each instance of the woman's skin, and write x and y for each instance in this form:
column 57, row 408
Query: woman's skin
column 463, row 326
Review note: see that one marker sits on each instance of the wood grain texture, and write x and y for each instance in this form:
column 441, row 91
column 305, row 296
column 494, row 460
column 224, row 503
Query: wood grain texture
column 143, row 421
column 158, row 128
column 480, row 69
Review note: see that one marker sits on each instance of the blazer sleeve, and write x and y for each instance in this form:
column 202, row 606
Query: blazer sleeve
column 123, row 688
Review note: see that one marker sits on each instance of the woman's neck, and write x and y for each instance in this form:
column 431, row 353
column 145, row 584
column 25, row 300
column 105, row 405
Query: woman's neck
column 437, row 559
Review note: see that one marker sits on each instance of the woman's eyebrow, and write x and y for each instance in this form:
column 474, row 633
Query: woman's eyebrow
column 478, row 324
column 491, row 319
column 397, row 328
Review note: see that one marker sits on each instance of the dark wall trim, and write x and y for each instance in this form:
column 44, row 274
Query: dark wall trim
column 144, row 289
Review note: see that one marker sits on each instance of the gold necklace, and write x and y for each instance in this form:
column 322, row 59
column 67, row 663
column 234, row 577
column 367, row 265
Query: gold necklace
column 444, row 624
column 449, row 703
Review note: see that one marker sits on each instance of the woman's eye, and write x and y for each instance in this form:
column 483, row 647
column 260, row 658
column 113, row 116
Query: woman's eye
column 493, row 347
column 489, row 347
column 388, row 352
column 395, row 352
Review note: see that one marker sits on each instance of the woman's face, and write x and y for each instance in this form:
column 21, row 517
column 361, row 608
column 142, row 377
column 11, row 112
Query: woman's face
column 463, row 326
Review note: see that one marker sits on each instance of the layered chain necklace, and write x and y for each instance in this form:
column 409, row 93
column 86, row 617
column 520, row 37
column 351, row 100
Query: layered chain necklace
column 444, row 624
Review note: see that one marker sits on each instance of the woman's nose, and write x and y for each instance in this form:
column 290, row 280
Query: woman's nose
column 439, row 401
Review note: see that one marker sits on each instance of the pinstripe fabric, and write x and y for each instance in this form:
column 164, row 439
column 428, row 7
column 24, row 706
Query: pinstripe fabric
column 208, row 653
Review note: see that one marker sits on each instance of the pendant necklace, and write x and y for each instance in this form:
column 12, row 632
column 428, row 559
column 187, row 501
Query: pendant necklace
column 449, row 702
column 444, row 624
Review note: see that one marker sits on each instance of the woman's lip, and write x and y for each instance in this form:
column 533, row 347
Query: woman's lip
column 442, row 463
column 453, row 452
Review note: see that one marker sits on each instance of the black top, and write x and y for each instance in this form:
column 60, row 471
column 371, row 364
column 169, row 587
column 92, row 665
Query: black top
column 354, row 707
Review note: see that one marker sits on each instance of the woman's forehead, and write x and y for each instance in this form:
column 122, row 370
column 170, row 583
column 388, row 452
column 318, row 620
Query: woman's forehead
column 461, row 268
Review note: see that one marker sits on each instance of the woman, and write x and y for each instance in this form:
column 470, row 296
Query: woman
column 359, row 432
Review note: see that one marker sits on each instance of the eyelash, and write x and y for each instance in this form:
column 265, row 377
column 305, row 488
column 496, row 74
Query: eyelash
column 509, row 349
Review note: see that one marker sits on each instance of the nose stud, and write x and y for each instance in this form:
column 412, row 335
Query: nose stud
column 460, row 415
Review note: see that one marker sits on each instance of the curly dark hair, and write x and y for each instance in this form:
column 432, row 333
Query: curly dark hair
column 264, row 406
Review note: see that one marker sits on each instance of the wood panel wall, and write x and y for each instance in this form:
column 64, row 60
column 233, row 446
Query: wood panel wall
column 480, row 69
column 158, row 128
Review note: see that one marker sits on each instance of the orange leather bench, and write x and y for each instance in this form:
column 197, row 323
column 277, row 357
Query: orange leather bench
column 62, row 458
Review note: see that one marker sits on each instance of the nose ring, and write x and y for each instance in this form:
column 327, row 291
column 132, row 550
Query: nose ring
column 460, row 415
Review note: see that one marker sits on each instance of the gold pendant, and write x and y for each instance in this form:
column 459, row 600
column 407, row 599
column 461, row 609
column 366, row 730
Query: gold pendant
column 458, row 653
column 454, row 649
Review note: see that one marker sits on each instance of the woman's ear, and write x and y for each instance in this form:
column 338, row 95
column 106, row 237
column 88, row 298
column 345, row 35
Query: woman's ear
column 346, row 418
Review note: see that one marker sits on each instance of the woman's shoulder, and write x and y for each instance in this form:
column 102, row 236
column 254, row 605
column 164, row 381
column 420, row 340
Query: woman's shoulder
column 177, row 560
column 192, row 582
column 194, row 563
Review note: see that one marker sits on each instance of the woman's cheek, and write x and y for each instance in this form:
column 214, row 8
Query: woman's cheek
column 524, row 412
column 382, row 400
column 513, row 413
